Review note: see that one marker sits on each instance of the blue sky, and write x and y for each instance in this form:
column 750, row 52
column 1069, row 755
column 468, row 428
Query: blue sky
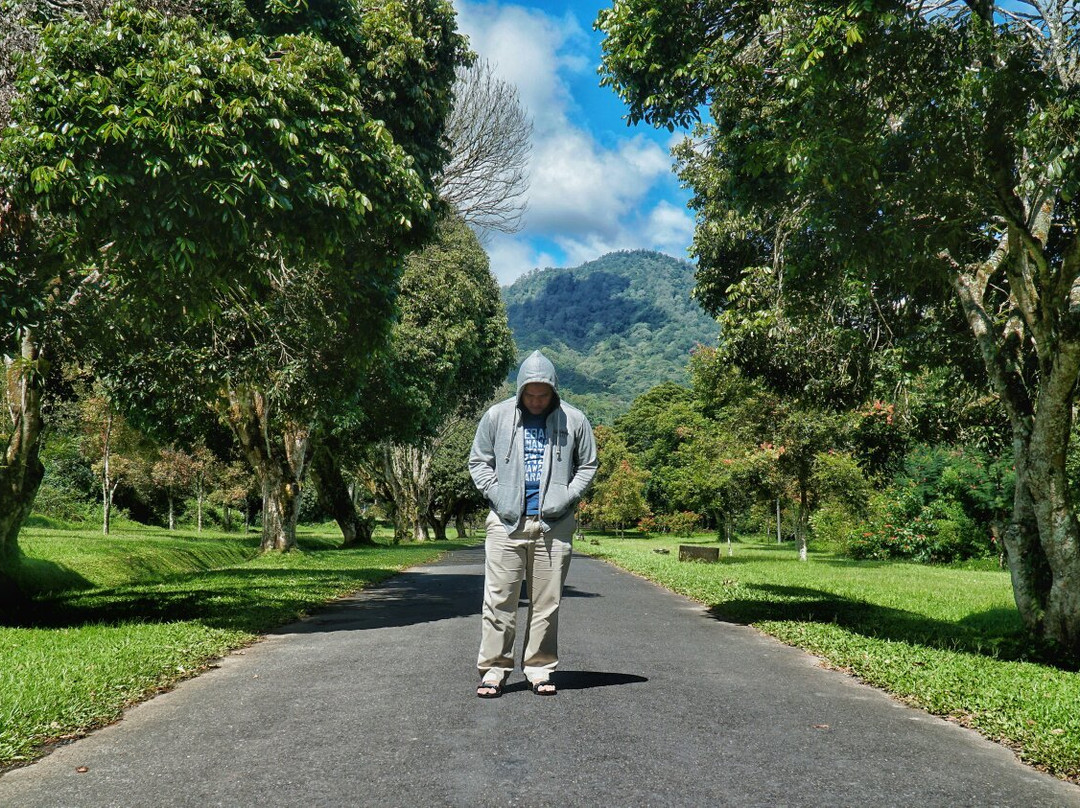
column 596, row 184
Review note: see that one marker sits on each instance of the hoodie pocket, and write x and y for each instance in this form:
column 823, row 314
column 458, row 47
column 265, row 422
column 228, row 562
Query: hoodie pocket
column 498, row 498
column 557, row 501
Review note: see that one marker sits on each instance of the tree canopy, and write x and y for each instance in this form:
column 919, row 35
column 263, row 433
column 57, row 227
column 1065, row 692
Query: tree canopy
column 909, row 151
column 248, row 176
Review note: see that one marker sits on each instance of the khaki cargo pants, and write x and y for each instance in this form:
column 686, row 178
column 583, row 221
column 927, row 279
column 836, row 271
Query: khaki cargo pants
column 542, row 559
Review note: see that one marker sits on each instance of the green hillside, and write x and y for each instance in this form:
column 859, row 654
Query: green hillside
column 614, row 327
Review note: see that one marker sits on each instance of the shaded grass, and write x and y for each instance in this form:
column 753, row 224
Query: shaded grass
column 946, row 639
column 122, row 617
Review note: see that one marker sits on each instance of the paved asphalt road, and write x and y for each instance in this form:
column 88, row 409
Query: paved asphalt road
column 372, row 703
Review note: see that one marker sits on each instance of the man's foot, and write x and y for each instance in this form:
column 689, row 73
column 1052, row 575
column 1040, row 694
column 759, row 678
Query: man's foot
column 490, row 689
column 544, row 687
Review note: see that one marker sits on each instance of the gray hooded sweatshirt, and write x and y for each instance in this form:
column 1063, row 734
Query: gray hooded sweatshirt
column 497, row 460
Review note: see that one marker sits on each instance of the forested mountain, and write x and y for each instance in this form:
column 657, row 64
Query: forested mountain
column 614, row 327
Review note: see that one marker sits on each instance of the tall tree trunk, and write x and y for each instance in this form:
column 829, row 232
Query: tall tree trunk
column 802, row 519
column 172, row 513
column 334, row 495
column 106, row 476
column 1047, row 480
column 199, row 503
column 406, row 472
column 110, row 495
column 1042, row 540
column 459, row 521
column 278, row 459
column 22, row 470
column 438, row 522
column 226, row 517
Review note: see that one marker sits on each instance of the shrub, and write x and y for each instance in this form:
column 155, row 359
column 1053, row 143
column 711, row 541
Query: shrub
column 983, row 486
column 681, row 523
column 61, row 503
column 648, row 524
column 941, row 532
column 833, row 525
column 943, row 506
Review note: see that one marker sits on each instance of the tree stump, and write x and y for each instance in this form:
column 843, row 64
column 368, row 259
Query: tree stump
column 695, row 552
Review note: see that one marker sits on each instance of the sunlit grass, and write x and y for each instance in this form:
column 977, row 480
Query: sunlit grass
column 125, row 616
column 947, row 639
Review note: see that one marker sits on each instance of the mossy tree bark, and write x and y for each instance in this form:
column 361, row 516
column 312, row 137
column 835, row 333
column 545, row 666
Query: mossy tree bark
column 279, row 457
column 22, row 471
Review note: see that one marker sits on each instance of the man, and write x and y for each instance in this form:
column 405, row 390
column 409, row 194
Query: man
column 532, row 458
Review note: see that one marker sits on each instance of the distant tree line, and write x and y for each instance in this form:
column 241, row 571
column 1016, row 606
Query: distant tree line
column 921, row 480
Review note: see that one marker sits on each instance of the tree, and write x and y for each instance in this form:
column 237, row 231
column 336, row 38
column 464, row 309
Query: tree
column 235, row 489
column 617, row 495
column 117, row 452
column 621, row 501
column 171, row 473
column 488, row 136
column 205, row 474
column 334, row 495
column 454, row 495
column 955, row 171
column 128, row 180
column 449, row 350
column 657, row 424
column 717, row 477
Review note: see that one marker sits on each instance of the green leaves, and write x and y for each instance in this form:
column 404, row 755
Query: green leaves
column 139, row 125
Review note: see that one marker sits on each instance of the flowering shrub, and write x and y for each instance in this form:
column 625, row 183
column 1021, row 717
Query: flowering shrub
column 940, row 532
column 943, row 506
column 681, row 523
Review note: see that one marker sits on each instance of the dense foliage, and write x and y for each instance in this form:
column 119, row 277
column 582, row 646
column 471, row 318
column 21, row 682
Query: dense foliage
column 954, row 176
column 212, row 204
column 729, row 454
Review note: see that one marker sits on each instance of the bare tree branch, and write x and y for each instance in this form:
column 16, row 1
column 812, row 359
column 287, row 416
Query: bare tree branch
column 489, row 138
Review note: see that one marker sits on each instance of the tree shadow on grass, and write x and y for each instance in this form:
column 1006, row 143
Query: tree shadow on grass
column 38, row 575
column 260, row 600
column 997, row 633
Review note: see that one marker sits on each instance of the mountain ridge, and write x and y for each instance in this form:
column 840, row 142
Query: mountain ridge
column 615, row 327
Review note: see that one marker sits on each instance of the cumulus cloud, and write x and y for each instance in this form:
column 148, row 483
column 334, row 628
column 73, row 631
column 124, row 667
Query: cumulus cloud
column 512, row 256
column 585, row 197
column 671, row 227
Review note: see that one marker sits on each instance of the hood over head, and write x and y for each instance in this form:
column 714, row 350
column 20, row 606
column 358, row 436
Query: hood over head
column 537, row 368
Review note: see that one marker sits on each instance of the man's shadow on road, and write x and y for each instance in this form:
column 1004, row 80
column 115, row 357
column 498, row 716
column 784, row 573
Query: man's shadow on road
column 583, row 680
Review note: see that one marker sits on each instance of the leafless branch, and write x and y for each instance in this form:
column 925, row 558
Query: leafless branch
column 489, row 137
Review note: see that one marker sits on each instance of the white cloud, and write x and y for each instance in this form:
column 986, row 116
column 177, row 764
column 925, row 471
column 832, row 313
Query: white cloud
column 529, row 49
column 586, row 197
column 579, row 188
column 512, row 257
column 671, row 228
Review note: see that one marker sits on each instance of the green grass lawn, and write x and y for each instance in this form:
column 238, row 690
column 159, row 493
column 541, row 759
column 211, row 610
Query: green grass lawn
column 947, row 639
column 123, row 617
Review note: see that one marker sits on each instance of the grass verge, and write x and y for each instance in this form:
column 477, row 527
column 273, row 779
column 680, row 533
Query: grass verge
column 129, row 615
column 946, row 639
